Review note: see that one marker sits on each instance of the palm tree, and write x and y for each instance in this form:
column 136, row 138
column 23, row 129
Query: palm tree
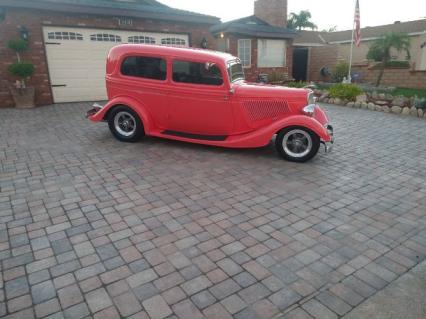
column 301, row 21
column 380, row 49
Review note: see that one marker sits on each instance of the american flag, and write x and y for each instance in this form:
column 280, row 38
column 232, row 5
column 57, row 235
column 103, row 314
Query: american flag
column 357, row 25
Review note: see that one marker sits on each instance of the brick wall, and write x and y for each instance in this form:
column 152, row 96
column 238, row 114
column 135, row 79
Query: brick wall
column 253, row 72
column 34, row 20
column 319, row 57
column 272, row 11
column 393, row 77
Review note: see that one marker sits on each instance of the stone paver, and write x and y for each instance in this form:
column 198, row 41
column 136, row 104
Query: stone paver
column 94, row 228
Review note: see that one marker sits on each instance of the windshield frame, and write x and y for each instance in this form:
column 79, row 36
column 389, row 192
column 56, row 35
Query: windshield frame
column 229, row 71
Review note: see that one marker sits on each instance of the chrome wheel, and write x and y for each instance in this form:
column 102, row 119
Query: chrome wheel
column 125, row 123
column 297, row 143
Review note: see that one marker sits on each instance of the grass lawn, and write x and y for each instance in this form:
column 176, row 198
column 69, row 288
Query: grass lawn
column 410, row 92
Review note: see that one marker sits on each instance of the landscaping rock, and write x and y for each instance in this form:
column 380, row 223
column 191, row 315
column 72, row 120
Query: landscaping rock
column 357, row 105
column 400, row 101
column 364, row 105
column 375, row 95
column 406, row 111
column 396, row 109
column 378, row 108
column 351, row 104
column 337, row 101
column 362, row 98
column 420, row 113
column 382, row 102
column 371, row 106
column 386, row 109
column 413, row 111
column 389, row 96
column 382, row 96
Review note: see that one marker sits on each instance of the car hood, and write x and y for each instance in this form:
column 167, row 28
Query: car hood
column 246, row 90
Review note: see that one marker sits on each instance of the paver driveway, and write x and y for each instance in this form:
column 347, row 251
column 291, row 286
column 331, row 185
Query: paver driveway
column 91, row 227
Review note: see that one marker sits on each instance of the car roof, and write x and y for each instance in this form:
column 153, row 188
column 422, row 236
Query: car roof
column 183, row 52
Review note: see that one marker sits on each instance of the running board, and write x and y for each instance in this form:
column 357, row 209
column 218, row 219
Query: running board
column 196, row 136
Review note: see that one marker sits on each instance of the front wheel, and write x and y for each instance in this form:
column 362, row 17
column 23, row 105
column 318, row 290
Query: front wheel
column 125, row 124
column 297, row 144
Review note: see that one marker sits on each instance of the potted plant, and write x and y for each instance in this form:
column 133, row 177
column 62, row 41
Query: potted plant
column 22, row 94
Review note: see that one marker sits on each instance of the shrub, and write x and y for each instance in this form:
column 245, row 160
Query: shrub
column 295, row 84
column 345, row 91
column 420, row 103
column 18, row 45
column 22, row 70
column 393, row 64
column 398, row 64
column 340, row 71
column 275, row 77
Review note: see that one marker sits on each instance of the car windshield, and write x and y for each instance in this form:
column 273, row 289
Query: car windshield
column 235, row 71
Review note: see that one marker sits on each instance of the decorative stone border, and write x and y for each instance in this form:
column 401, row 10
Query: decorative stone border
column 378, row 106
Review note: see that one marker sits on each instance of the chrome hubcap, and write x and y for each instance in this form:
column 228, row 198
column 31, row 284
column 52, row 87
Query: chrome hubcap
column 297, row 143
column 125, row 123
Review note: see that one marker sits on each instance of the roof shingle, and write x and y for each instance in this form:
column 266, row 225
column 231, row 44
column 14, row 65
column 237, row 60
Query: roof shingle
column 313, row 37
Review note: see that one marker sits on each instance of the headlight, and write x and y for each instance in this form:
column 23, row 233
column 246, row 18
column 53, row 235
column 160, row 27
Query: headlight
column 309, row 110
column 311, row 98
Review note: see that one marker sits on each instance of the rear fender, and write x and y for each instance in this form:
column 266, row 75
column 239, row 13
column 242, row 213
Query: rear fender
column 135, row 105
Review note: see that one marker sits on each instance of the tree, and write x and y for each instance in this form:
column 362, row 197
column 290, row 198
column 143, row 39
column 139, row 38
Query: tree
column 332, row 29
column 380, row 49
column 301, row 21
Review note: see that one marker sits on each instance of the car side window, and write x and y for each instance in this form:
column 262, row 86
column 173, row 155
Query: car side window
column 197, row 73
column 145, row 67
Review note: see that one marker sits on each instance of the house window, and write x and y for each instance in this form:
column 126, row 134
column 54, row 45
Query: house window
column 197, row 73
column 124, row 21
column 140, row 39
column 64, row 36
column 145, row 67
column 103, row 37
column 271, row 53
column 223, row 44
column 173, row 41
column 423, row 58
column 244, row 52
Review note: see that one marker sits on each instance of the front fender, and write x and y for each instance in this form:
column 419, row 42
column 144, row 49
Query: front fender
column 262, row 136
column 124, row 100
column 305, row 121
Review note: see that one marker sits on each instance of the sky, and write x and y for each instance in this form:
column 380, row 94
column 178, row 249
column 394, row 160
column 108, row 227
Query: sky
column 325, row 13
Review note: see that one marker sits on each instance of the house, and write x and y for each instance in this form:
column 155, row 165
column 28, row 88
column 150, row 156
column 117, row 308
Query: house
column 314, row 51
column 69, row 40
column 262, row 41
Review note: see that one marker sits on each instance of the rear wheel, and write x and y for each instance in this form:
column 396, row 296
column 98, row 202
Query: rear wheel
column 297, row 144
column 125, row 124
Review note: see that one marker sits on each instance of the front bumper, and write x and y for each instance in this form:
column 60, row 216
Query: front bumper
column 328, row 146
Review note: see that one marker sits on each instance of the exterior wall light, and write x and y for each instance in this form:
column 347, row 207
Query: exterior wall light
column 25, row 34
column 204, row 43
column 222, row 35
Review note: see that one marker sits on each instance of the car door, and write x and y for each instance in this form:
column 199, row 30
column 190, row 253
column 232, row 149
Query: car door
column 199, row 100
column 145, row 79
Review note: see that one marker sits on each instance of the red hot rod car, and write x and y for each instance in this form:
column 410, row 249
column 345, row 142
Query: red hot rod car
column 201, row 96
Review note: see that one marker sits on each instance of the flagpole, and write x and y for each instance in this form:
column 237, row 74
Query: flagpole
column 352, row 50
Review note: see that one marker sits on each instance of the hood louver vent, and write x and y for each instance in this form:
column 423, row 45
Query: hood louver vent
column 260, row 110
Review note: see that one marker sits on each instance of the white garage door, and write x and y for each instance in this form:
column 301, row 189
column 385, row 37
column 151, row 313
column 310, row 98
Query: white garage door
column 76, row 58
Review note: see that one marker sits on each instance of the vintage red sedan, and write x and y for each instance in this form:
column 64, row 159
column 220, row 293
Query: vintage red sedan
column 200, row 96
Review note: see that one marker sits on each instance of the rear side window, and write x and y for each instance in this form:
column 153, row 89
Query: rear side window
column 197, row 73
column 145, row 67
